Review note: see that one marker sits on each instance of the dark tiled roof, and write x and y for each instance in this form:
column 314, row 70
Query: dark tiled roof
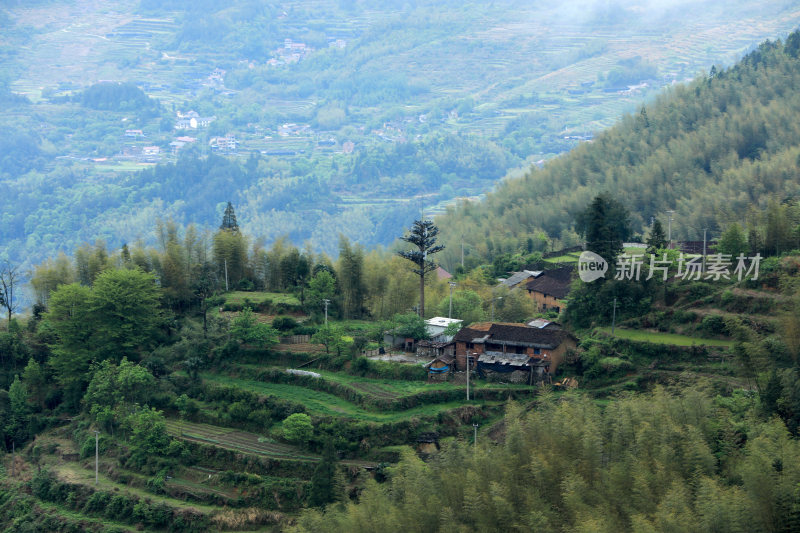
column 555, row 283
column 515, row 334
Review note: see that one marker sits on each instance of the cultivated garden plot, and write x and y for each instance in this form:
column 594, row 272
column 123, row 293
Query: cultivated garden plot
column 235, row 439
column 244, row 442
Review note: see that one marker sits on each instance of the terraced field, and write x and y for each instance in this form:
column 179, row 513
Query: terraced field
column 392, row 388
column 323, row 404
column 234, row 439
column 243, row 441
column 667, row 338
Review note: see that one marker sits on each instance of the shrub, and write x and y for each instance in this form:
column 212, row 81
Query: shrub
column 97, row 502
column 41, row 483
column 87, row 448
column 305, row 330
column 298, row 429
column 156, row 483
column 284, row 323
column 119, row 508
column 699, row 289
column 714, row 325
column 238, row 411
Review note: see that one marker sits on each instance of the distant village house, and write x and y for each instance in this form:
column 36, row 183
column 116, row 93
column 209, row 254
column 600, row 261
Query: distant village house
column 518, row 351
column 550, row 288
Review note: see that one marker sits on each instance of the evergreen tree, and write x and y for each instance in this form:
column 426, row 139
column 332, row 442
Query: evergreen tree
column 733, row 241
column 229, row 219
column 423, row 237
column 323, row 481
column 605, row 224
column 657, row 239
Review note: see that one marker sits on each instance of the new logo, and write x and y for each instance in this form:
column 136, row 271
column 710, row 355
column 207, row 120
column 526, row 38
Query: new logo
column 591, row 266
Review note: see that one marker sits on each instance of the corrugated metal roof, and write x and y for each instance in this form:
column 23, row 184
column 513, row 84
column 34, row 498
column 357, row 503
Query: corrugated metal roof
column 518, row 277
column 441, row 321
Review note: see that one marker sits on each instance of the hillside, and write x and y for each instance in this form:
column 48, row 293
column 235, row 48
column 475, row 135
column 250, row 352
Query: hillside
column 699, row 399
column 712, row 151
column 327, row 118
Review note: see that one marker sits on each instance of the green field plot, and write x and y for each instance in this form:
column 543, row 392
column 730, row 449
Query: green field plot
column 240, row 441
column 634, row 250
column 323, row 404
column 666, row 338
column 63, row 512
column 566, row 258
column 238, row 297
column 234, row 439
column 75, row 473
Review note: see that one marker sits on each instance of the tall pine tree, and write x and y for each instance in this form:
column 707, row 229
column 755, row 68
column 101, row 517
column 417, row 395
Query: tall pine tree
column 423, row 236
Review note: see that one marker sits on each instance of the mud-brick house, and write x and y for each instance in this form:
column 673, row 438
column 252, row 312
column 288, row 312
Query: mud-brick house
column 550, row 288
column 527, row 354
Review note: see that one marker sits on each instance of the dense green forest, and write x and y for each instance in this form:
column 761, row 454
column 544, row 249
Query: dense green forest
column 685, row 460
column 714, row 151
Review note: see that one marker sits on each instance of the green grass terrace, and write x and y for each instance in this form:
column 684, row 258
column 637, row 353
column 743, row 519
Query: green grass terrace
column 666, row 338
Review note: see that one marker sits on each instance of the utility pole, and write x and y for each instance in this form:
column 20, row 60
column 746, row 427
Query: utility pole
column 614, row 317
column 669, row 228
column 96, row 456
column 467, row 376
column 226, row 275
column 450, row 311
column 704, row 249
column 475, row 438
column 493, row 299
column 326, row 302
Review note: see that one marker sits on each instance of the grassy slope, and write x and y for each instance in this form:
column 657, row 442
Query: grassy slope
column 666, row 338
